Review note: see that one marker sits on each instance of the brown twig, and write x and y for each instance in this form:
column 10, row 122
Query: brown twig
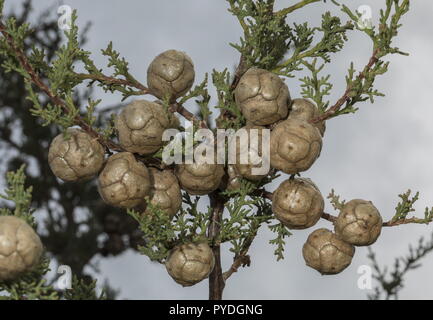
column 332, row 218
column 240, row 70
column 394, row 223
column 241, row 260
column 329, row 217
column 263, row 193
column 391, row 223
column 346, row 96
column 216, row 279
column 176, row 107
column 284, row 12
column 143, row 90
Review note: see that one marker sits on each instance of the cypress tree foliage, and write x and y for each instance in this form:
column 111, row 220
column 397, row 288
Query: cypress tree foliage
column 23, row 139
column 32, row 285
column 234, row 215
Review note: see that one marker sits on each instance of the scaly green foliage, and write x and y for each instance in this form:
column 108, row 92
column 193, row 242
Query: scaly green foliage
column 361, row 87
column 241, row 216
column 162, row 233
column 316, row 87
column 268, row 38
column 268, row 42
column 32, row 285
column 19, row 195
column 402, row 210
column 226, row 102
column 406, row 206
column 282, row 232
column 335, row 200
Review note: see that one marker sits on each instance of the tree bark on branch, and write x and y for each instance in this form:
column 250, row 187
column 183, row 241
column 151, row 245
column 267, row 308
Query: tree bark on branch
column 216, row 279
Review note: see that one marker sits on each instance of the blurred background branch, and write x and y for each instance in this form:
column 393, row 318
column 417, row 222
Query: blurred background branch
column 76, row 227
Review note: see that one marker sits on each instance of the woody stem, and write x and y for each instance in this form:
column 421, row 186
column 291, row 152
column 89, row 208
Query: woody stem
column 216, row 279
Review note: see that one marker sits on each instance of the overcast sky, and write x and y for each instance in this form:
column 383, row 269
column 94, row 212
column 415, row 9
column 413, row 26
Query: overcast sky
column 379, row 152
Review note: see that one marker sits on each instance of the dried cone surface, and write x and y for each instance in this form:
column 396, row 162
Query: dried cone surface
column 190, row 263
column 295, row 146
column 140, row 126
column 326, row 253
column 298, row 203
column 262, row 97
column 124, row 182
column 304, row 109
column 359, row 223
column 200, row 178
column 170, row 74
column 165, row 191
column 253, row 153
column 20, row 247
column 75, row 157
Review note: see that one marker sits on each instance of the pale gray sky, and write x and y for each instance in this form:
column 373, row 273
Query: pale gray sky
column 379, row 152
